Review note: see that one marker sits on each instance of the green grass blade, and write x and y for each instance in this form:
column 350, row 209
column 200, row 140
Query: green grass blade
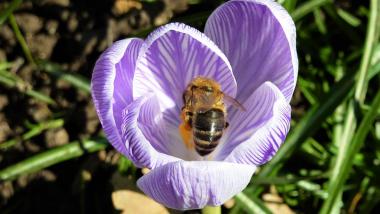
column 8, row 11
column 252, row 204
column 290, row 5
column 307, row 8
column 350, row 19
column 369, row 47
column 359, row 97
column 51, row 157
column 5, row 80
column 5, row 65
column 74, row 79
column 13, row 81
column 319, row 21
column 342, row 174
column 21, row 40
column 34, row 131
column 39, row 96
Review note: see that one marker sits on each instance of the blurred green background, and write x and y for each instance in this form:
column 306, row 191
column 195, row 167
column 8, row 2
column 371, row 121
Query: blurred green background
column 53, row 154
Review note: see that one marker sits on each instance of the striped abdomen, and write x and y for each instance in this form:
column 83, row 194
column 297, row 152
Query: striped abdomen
column 207, row 130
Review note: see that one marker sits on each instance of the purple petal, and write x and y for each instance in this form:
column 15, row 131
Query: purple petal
column 172, row 56
column 259, row 39
column 194, row 184
column 111, row 86
column 255, row 135
column 139, row 149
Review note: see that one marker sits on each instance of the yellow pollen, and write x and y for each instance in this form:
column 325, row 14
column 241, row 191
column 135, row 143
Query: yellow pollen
column 186, row 135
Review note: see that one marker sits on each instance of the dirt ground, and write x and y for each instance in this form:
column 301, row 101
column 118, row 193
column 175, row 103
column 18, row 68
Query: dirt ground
column 71, row 34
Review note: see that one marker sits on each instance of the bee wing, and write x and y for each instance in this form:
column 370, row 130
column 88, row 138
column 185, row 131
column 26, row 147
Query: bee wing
column 234, row 102
column 207, row 100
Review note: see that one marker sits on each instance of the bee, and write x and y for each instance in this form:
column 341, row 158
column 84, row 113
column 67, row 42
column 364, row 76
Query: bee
column 204, row 115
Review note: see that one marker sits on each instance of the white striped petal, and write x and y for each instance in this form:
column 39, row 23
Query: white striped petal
column 255, row 135
column 259, row 39
column 142, row 151
column 185, row 185
column 160, row 133
column 111, row 86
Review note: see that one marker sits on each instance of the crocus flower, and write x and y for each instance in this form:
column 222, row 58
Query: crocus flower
column 248, row 47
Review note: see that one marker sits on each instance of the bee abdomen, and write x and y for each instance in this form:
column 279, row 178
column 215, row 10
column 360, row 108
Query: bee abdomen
column 204, row 148
column 207, row 130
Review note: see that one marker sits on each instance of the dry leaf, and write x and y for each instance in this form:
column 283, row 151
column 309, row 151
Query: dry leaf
column 124, row 6
column 275, row 203
column 133, row 202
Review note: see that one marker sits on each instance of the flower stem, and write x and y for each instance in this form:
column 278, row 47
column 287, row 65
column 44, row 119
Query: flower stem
column 212, row 210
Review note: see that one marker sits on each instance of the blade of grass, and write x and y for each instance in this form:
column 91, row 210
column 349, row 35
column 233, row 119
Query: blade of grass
column 319, row 21
column 5, row 65
column 342, row 26
column 350, row 19
column 11, row 7
column 36, row 130
column 357, row 141
column 290, row 5
column 21, row 40
column 350, row 120
column 13, row 81
column 313, row 188
column 304, row 87
column 7, row 81
column 51, row 157
column 251, row 204
column 372, row 198
column 307, row 8
column 288, row 179
column 314, row 152
column 337, row 133
column 56, row 70
column 39, row 96
column 338, row 118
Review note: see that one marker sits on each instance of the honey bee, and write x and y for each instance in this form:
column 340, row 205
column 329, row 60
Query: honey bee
column 204, row 115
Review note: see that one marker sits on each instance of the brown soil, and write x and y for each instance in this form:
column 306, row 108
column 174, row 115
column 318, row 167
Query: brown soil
column 71, row 34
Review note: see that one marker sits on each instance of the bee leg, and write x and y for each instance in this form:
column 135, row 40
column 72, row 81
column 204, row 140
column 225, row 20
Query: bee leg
column 227, row 124
column 186, row 135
